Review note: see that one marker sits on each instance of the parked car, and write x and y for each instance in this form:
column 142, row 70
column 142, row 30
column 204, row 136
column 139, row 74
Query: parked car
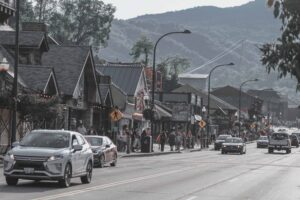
column 279, row 141
column 262, row 142
column 49, row 155
column 219, row 141
column 104, row 150
column 234, row 145
column 294, row 140
column 297, row 134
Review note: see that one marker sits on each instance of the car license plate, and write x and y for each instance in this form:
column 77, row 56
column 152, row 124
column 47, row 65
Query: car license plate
column 28, row 170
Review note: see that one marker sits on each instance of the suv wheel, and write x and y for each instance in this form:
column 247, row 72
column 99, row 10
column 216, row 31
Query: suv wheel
column 89, row 172
column 66, row 181
column 288, row 151
column 11, row 181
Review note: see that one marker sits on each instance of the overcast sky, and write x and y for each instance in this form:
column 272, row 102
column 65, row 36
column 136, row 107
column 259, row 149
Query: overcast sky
column 131, row 8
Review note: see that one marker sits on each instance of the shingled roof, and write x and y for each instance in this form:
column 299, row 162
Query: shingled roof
column 68, row 62
column 33, row 39
column 215, row 102
column 35, row 77
column 124, row 75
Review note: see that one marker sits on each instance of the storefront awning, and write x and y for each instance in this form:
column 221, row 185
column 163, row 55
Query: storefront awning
column 137, row 116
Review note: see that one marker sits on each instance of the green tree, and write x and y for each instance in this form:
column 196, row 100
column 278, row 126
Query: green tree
column 44, row 9
column 284, row 54
column 26, row 11
column 143, row 47
column 81, row 22
column 170, row 68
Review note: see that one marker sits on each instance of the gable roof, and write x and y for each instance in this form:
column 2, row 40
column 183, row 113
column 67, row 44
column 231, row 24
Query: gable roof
column 104, row 91
column 35, row 77
column 68, row 62
column 124, row 75
column 266, row 94
column 215, row 102
column 229, row 91
column 33, row 39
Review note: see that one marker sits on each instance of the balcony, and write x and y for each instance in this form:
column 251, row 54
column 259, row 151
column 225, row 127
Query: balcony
column 8, row 4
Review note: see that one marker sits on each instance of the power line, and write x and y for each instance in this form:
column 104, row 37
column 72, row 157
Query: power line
column 221, row 55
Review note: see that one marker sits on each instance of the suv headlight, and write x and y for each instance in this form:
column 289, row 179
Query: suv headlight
column 56, row 157
column 9, row 157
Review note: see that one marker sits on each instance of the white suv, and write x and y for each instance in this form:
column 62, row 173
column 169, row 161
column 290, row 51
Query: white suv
column 49, row 155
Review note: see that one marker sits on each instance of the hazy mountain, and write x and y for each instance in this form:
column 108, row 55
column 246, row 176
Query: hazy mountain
column 214, row 30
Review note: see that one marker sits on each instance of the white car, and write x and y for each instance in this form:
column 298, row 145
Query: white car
column 49, row 155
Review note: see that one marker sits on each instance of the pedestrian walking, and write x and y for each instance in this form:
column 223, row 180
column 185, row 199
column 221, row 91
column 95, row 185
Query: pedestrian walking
column 178, row 140
column 81, row 129
column 163, row 139
column 172, row 137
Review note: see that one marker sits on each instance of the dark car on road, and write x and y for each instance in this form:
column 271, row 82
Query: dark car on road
column 104, row 150
column 49, row 155
column 234, row 145
column 294, row 140
column 262, row 142
column 219, row 141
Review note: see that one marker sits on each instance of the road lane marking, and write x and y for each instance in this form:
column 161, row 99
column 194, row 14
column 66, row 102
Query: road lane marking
column 109, row 185
column 191, row 198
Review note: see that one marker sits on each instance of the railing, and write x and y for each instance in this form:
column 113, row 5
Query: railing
column 9, row 3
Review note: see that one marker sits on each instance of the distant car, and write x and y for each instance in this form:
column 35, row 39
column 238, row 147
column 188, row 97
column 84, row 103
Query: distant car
column 49, row 155
column 294, row 140
column 219, row 141
column 234, row 145
column 279, row 141
column 262, row 142
column 104, row 150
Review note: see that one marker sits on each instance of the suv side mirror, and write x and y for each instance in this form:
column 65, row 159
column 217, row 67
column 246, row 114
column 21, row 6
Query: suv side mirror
column 77, row 148
column 107, row 146
column 15, row 144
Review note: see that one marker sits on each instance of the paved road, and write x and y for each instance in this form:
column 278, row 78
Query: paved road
column 205, row 175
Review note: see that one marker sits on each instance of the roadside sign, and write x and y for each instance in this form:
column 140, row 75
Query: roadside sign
column 202, row 124
column 116, row 115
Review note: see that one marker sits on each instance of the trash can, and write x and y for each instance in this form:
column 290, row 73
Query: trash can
column 146, row 146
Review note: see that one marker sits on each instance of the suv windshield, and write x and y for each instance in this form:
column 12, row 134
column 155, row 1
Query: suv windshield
column 234, row 140
column 94, row 141
column 279, row 136
column 46, row 140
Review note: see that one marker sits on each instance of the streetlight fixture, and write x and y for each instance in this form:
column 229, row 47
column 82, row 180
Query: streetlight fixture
column 154, row 72
column 240, row 101
column 208, row 96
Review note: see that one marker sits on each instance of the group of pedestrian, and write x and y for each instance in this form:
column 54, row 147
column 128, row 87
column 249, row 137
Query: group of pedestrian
column 176, row 139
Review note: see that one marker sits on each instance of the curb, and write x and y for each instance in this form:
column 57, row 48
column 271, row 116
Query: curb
column 149, row 154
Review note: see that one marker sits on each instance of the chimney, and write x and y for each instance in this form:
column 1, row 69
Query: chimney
column 34, row 26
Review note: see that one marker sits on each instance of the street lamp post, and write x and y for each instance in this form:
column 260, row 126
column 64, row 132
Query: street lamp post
column 240, row 101
column 15, row 83
column 208, row 96
column 154, row 72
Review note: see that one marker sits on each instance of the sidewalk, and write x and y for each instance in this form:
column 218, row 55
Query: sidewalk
column 156, row 152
